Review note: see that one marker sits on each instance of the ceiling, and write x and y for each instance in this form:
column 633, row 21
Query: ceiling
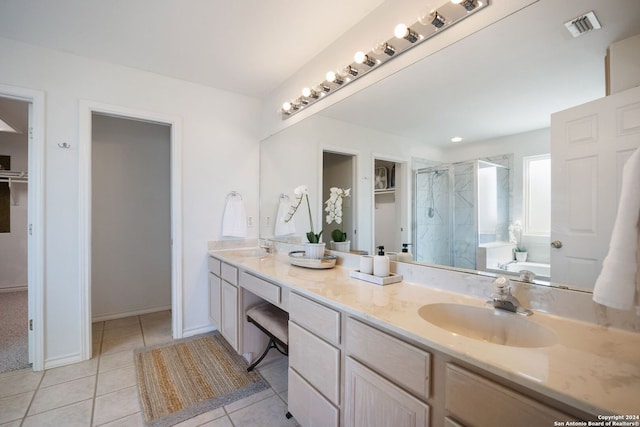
column 505, row 79
column 245, row 46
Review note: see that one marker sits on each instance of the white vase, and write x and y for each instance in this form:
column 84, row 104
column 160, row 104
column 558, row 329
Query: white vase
column 521, row 256
column 314, row 250
column 341, row 246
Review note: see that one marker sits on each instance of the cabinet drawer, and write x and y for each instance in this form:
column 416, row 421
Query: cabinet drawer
column 214, row 266
column 308, row 406
column 469, row 396
column 408, row 366
column 260, row 287
column 229, row 273
column 315, row 317
column 372, row 401
column 316, row 361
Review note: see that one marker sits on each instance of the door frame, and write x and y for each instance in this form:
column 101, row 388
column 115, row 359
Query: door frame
column 35, row 217
column 86, row 109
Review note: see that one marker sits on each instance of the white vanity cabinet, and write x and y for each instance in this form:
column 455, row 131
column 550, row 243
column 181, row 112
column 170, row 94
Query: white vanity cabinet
column 381, row 374
column 314, row 363
column 223, row 299
column 473, row 400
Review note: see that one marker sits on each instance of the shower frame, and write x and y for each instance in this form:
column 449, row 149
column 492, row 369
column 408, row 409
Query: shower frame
column 461, row 248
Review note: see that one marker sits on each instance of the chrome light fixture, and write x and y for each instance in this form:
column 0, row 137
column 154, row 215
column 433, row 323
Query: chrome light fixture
column 433, row 22
column 403, row 32
column 362, row 58
column 385, row 48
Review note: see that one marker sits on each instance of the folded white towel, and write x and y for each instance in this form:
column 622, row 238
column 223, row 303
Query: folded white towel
column 617, row 283
column 282, row 228
column 234, row 220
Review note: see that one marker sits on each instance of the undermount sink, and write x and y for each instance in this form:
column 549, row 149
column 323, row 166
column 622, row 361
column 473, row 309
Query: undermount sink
column 489, row 325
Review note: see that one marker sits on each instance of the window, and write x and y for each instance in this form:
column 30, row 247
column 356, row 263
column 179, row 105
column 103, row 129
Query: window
column 537, row 195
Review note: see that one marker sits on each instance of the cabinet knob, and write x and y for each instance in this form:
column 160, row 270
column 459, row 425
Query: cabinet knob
column 556, row 244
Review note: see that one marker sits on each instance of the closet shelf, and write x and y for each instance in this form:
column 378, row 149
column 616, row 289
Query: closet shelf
column 385, row 191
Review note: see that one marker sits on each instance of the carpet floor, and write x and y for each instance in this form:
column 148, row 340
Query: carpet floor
column 14, row 342
column 186, row 378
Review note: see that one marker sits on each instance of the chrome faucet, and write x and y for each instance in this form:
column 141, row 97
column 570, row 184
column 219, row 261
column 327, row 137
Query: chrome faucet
column 502, row 298
column 267, row 245
column 505, row 266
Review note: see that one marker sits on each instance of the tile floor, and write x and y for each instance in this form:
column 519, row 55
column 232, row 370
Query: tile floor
column 103, row 390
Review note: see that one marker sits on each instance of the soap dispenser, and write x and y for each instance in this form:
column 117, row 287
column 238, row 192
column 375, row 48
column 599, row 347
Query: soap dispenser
column 405, row 255
column 381, row 263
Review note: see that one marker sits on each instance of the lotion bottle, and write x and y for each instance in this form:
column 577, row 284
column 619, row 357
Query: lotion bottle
column 381, row 263
column 405, row 255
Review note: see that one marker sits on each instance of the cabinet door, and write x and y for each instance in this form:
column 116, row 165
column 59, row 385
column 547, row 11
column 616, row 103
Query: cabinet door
column 309, row 407
column 229, row 328
column 214, row 300
column 372, row 401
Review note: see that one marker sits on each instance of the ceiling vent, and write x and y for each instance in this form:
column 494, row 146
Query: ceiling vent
column 583, row 24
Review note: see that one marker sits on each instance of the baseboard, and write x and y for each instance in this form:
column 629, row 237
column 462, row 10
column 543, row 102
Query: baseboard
column 62, row 361
column 14, row 289
column 129, row 314
column 197, row 331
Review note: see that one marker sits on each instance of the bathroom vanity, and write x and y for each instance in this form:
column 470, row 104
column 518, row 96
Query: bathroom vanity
column 367, row 355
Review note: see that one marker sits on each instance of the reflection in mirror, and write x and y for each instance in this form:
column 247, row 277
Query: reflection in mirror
column 461, row 208
column 338, row 171
column 497, row 88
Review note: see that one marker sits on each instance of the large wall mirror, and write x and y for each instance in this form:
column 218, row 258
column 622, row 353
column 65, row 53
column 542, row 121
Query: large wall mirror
column 458, row 201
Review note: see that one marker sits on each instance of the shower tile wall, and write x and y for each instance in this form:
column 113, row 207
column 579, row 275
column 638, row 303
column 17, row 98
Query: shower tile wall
column 433, row 242
column 465, row 239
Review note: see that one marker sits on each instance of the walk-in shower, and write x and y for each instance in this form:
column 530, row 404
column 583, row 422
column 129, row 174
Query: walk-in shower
column 457, row 207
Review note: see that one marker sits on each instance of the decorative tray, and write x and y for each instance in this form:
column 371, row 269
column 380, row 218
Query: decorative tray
column 299, row 259
column 391, row 278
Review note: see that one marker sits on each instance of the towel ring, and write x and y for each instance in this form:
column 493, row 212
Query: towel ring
column 234, row 194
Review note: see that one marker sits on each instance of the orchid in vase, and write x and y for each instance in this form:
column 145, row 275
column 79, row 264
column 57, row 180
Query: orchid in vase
column 334, row 212
column 301, row 192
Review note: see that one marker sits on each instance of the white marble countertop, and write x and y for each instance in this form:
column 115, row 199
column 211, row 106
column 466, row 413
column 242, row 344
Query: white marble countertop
column 592, row 368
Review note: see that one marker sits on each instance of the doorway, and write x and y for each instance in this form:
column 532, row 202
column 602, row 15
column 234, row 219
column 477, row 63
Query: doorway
column 24, row 108
column 131, row 217
column 338, row 170
column 130, row 200
column 389, row 207
column 14, row 156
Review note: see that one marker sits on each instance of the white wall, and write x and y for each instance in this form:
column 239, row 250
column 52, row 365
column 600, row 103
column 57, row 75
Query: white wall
column 293, row 157
column 220, row 152
column 130, row 217
column 13, row 245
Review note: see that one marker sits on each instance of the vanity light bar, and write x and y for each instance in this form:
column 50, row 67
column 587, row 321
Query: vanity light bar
column 429, row 24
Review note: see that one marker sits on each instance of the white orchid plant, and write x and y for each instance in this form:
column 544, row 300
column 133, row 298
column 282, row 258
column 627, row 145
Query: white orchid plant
column 334, row 211
column 302, row 192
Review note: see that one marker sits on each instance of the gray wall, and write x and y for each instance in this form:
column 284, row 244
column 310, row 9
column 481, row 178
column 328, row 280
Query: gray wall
column 131, row 219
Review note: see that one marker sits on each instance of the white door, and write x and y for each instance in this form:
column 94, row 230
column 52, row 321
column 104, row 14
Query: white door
column 589, row 145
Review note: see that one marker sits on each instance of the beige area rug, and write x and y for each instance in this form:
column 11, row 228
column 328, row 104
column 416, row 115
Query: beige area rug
column 189, row 377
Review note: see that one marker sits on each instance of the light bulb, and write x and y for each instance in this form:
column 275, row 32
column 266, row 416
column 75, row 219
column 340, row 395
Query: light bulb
column 286, row 106
column 384, row 47
column 306, row 92
column 348, row 70
column 334, row 78
column 400, row 31
column 456, row 1
column 362, row 58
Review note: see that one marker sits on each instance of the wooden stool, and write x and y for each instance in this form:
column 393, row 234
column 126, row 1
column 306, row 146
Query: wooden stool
column 274, row 322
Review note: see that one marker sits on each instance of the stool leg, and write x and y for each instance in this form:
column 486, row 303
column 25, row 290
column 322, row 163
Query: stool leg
column 271, row 345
